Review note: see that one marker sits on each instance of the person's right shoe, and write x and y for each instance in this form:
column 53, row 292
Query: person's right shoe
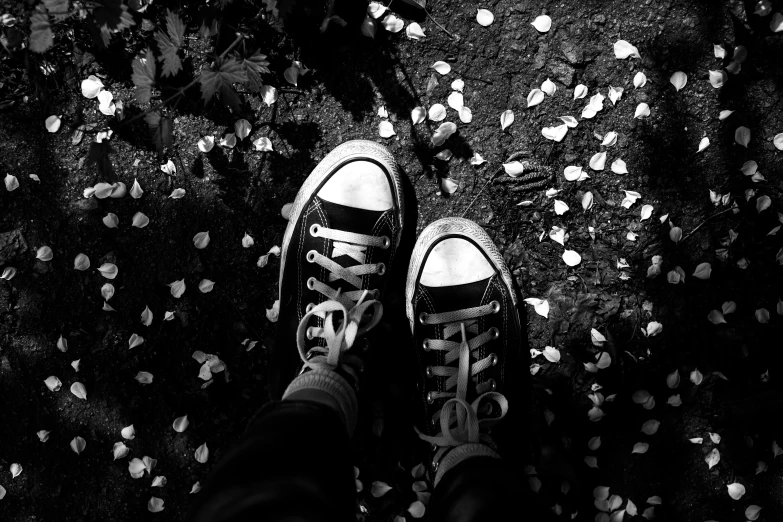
column 461, row 306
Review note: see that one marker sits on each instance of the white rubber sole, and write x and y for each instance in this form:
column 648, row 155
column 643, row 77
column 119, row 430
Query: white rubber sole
column 452, row 227
column 340, row 155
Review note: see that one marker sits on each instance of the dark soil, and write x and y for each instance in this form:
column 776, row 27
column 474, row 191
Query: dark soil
column 231, row 192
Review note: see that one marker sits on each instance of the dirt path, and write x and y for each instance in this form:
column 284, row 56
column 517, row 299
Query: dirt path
column 233, row 192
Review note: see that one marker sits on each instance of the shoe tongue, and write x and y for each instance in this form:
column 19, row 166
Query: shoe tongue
column 457, row 297
column 351, row 219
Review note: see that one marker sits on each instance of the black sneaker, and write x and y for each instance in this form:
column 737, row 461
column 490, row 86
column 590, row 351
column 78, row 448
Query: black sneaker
column 462, row 310
column 343, row 233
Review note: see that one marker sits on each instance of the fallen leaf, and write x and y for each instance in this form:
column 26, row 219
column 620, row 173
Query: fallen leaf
column 201, row 240
column 53, row 383
column 16, row 469
column 742, row 136
column 196, row 488
column 44, row 253
column 128, row 433
column 591, row 462
column 535, row 97
column 718, row 78
column 177, row 288
column 653, row 328
column 619, row 167
column 268, row 94
column 393, row 24
column 640, row 448
column 455, row 101
column 414, row 31
column 696, row 377
column 458, row 85
column 443, row 133
column 763, row 203
column 571, row 258
column 703, row 271
column 552, row 354
column 651, row 427
column 177, row 193
column 385, row 129
column 135, row 340
column 542, row 23
column 674, row 400
column 144, row 377
column 679, row 80
column 376, row 9
column 514, row 169
column 736, row 490
column 555, row 133
column 465, row 115
column 242, row 128
column 155, row 505
column 202, row 453
column 640, row 80
column 777, row 141
column 52, row 123
column 570, row 121
column 159, row 481
column 572, row 173
column 273, row 313
column 206, row 286
column 712, row 458
column 580, row 91
column 716, row 317
column 91, row 87
column 120, row 450
column 140, row 220
column 630, row 198
column 752, row 511
column 541, row 306
column 108, row 270
column 441, row 67
column 417, row 115
column 598, row 161
column 762, row 315
column 623, row 50
column 548, row 87
column 642, row 110
column 417, row 509
column 715, row 438
column 379, row 489
column 263, row 144
column 725, row 114
column 587, row 201
column 79, row 390
column 560, row 207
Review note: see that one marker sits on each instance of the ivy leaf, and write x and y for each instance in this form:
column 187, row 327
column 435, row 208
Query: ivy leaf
column 57, row 9
column 218, row 79
column 175, row 27
column 41, row 36
column 168, row 54
column 144, row 77
column 170, row 44
column 255, row 66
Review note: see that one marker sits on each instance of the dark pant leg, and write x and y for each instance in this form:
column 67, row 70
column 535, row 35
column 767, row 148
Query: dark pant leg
column 478, row 489
column 294, row 464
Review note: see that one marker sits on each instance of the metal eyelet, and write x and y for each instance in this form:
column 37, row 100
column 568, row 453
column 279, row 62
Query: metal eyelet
column 429, row 398
column 494, row 359
column 386, row 242
column 423, row 318
column 309, row 307
column 493, row 384
column 428, row 371
column 309, row 334
column 309, row 355
column 311, row 256
column 426, row 345
column 495, row 332
column 311, row 283
column 314, row 228
column 381, row 268
column 495, row 307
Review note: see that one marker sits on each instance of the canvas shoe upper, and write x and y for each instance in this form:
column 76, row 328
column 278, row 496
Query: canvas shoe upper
column 337, row 251
column 461, row 306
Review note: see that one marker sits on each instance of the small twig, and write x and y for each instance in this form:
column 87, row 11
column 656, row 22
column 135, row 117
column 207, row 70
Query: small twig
column 452, row 35
column 689, row 234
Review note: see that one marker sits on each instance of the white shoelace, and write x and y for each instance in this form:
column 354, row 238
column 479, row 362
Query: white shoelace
column 358, row 315
column 459, row 421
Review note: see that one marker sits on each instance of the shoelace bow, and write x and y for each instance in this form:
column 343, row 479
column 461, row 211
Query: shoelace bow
column 459, row 421
column 351, row 305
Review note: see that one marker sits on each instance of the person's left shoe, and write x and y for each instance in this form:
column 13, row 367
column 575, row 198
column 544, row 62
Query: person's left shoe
column 336, row 256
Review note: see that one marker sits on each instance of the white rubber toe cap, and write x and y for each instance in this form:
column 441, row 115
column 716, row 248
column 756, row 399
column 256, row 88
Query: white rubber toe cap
column 455, row 261
column 359, row 184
